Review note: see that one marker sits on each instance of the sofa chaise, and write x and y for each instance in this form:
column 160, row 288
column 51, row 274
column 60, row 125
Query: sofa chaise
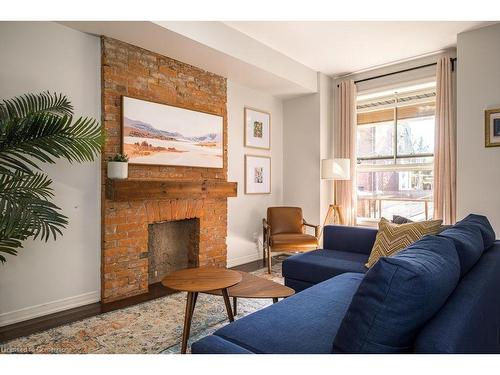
column 439, row 295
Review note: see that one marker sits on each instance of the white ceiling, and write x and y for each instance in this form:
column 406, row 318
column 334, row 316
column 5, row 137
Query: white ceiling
column 340, row 47
column 215, row 47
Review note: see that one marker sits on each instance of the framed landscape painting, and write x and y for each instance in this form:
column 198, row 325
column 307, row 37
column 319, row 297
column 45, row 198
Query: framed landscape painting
column 160, row 134
column 492, row 127
column 257, row 129
column 257, row 174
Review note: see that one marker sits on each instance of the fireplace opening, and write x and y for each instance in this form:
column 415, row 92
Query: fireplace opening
column 172, row 245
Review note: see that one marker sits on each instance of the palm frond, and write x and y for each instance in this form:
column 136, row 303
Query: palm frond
column 14, row 229
column 19, row 185
column 31, row 216
column 37, row 128
column 29, row 104
column 44, row 137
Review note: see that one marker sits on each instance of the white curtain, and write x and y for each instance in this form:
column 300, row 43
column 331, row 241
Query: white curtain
column 345, row 191
column 445, row 145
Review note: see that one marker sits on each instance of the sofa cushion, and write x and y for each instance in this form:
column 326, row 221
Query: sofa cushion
column 392, row 238
column 484, row 225
column 320, row 265
column 468, row 243
column 298, row 285
column 303, row 323
column 469, row 322
column 397, row 219
column 216, row 345
column 351, row 239
column 398, row 296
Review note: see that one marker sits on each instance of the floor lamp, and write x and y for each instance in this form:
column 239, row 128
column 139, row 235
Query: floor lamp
column 335, row 169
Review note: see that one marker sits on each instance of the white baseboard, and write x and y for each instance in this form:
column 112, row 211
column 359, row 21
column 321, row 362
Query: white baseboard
column 36, row 311
column 242, row 260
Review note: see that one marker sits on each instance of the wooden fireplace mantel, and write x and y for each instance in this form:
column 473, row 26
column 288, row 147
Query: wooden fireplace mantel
column 137, row 189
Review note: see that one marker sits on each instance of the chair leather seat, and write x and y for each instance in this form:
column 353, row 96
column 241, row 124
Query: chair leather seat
column 293, row 241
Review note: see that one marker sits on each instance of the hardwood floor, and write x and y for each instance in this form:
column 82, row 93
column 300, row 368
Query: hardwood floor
column 69, row 316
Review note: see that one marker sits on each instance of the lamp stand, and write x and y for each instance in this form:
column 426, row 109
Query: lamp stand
column 334, row 215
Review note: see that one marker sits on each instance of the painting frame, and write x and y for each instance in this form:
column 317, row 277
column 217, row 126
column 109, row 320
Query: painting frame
column 249, row 190
column 175, row 106
column 251, row 141
column 492, row 127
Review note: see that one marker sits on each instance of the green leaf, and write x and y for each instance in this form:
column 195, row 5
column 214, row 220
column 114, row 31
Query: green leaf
column 34, row 129
column 29, row 104
column 44, row 137
column 19, row 185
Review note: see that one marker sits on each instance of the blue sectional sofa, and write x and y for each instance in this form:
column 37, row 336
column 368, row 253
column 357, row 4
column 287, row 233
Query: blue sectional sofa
column 440, row 295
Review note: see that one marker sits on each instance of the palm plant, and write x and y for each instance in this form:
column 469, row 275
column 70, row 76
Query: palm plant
column 34, row 129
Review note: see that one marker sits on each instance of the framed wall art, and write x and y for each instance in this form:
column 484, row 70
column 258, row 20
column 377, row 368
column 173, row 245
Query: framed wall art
column 257, row 174
column 257, row 129
column 160, row 134
column 492, row 127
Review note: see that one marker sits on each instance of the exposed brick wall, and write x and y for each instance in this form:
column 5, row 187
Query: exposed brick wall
column 135, row 72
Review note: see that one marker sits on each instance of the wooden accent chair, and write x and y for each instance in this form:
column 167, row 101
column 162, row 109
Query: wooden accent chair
column 284, row 231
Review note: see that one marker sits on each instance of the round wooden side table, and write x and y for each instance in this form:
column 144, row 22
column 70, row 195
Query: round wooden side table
column 198, row 280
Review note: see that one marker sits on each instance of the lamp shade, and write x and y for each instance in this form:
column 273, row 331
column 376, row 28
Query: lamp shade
column 336, row 169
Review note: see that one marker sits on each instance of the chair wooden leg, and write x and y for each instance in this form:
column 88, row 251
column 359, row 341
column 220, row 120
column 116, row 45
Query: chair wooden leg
column 268, row 260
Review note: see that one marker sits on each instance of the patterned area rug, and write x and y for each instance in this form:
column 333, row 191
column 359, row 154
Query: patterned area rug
column 151, row 327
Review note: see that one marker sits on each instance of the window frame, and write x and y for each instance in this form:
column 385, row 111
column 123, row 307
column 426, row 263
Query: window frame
column 394, row 166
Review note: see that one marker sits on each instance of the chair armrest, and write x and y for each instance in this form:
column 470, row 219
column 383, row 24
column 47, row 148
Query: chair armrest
column 266, row 232
column 265, row 225
column 316, row 228
column 345, row 238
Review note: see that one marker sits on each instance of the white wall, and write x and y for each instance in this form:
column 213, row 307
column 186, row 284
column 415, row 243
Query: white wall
column 245, row 212
column 308, row 138
column 478, row 88
column 301, row 155
column 325, row 85
column 47, row 277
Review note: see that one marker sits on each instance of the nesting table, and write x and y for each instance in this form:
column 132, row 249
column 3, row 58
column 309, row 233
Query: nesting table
column 224, row 282
column 252, row 286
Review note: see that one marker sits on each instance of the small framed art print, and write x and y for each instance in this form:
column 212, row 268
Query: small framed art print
column 492, row 127
column 257, row 129
column 257, row 174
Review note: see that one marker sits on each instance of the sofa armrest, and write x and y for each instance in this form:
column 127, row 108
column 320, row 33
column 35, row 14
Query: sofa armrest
column 214, row 344
column 353, row 239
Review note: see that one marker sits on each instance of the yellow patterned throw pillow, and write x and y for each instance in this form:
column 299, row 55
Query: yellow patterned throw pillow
column 392, row 238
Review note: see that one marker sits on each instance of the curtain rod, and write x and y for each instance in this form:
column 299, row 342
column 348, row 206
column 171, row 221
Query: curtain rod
column 452, row 59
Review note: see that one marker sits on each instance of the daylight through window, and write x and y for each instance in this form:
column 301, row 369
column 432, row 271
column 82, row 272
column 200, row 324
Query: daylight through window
column 395, row 155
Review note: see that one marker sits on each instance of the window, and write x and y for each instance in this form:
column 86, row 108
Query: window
column 395, row 155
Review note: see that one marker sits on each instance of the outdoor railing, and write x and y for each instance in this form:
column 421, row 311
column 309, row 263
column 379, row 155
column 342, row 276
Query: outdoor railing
column 371, row 207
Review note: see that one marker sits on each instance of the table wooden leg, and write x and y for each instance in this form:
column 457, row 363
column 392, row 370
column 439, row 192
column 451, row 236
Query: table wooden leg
column 275, row 300
column 228, row 305
column 195, row 298
column 187, row 320
column 235, row 306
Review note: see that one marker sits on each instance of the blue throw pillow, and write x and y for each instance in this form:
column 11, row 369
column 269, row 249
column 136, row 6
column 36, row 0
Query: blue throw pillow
column 397, row 296
column 484, row 225
column 468, row 242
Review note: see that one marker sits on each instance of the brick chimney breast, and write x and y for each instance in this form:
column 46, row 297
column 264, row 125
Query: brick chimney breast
column 135, row 72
